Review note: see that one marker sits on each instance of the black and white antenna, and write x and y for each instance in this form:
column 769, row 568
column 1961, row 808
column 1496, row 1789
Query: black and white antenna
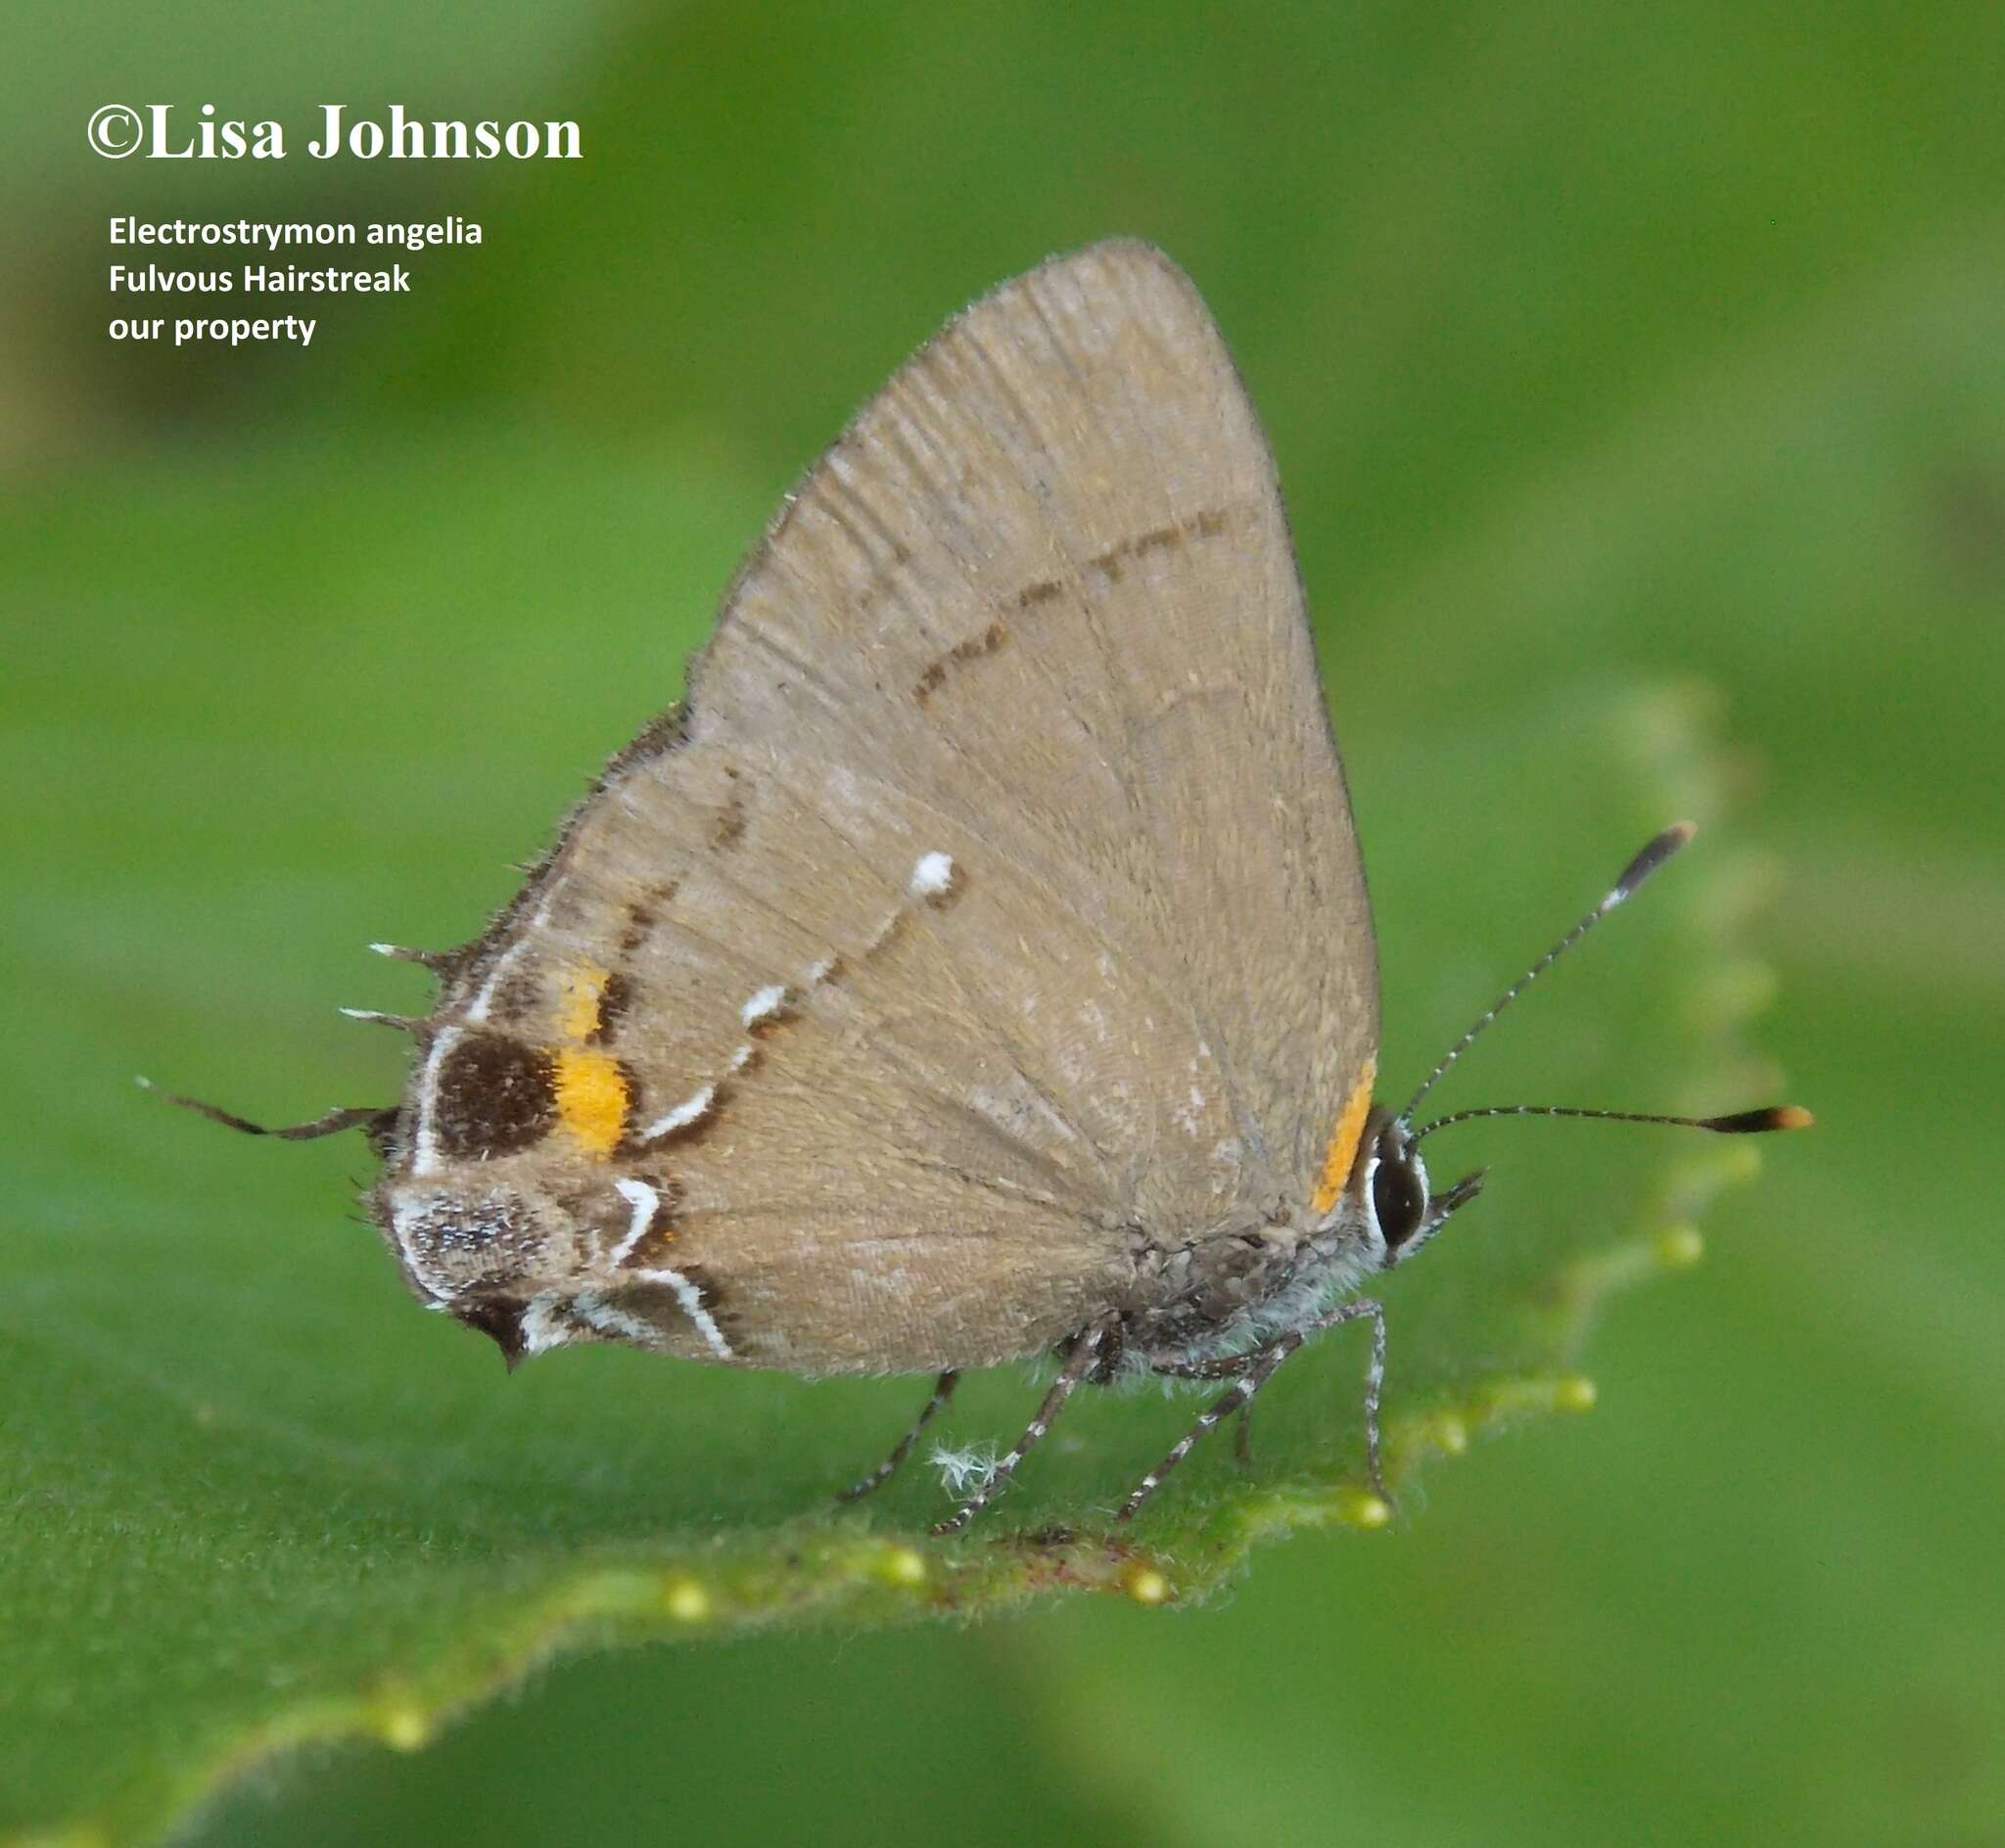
column 1738, row 1123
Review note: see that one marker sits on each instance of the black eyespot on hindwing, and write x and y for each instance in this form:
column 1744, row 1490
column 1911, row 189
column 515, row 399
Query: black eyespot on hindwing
column 494, row 1095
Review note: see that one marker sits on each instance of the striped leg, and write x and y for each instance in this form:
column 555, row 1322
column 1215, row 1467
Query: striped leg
column 1375, row 1381
column 942, row 1391
column 1262, row 1364
column 1080, row 1364
column 1225, row 1366
column 1259, row 1367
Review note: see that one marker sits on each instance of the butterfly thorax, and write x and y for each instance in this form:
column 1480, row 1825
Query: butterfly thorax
column 1238, row 1287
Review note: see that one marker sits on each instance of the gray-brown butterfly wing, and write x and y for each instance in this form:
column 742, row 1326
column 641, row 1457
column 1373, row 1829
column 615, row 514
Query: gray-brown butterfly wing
column 992, row 914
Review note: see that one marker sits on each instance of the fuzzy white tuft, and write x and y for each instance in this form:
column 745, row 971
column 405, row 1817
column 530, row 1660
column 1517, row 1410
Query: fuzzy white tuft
column 962, row 1470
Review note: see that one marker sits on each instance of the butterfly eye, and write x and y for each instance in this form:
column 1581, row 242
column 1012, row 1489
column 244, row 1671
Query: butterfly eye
column 1399, row 1198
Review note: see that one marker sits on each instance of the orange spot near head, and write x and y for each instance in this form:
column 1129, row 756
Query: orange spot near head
column 1793, row 1117
column 583, row 990
column 1343, row 1141
column 591, row 1098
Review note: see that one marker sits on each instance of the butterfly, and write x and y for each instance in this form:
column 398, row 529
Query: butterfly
column 977, row 963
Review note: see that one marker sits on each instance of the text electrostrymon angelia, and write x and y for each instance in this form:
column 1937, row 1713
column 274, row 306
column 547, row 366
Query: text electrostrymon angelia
column 274, row 235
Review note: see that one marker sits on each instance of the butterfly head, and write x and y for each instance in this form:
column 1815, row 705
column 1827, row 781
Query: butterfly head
column 1388, row 1194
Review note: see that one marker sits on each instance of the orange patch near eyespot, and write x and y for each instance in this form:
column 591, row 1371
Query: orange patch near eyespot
column 1343, row 1141
column 591, row 1098
column 583, row 991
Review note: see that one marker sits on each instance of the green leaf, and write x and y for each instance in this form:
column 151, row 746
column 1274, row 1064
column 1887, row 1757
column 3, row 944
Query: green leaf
column 260, row 1500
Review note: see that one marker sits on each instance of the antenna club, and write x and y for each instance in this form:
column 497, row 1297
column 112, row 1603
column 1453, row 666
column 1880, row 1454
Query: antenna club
column 1659, row 849
column 1780, row 1117
column 1760, row 1122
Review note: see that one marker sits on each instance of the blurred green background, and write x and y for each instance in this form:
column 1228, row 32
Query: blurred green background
column 1602, row 347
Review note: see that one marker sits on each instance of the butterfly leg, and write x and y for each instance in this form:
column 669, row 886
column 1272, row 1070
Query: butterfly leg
column 1080, row 1366
column 1375, row 1376
column 1227, row 1366
column 942, row 1391
column 1254, row 1369
column 1361, row 1309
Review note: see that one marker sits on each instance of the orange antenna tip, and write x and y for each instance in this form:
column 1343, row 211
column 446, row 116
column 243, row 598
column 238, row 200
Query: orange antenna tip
column 1760, row 1121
